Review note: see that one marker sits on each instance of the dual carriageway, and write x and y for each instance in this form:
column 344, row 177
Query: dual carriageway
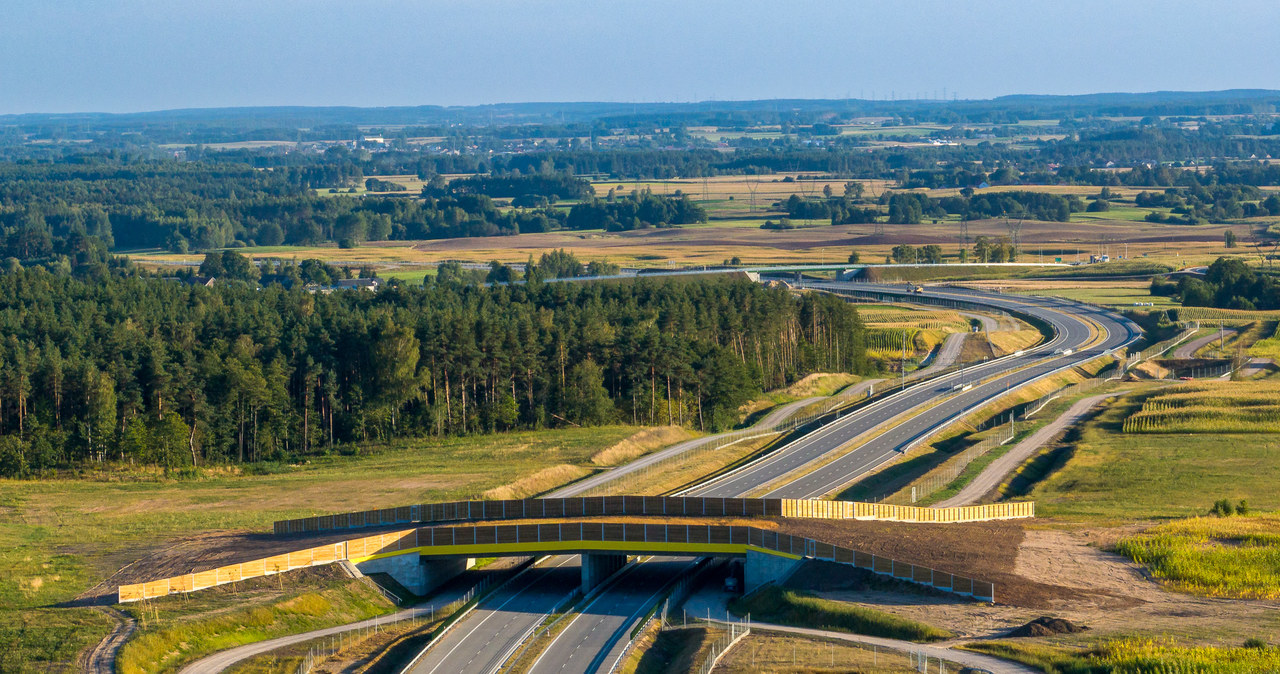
column 812, row 466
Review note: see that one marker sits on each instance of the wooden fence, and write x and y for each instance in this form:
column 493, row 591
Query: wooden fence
column 649, row 506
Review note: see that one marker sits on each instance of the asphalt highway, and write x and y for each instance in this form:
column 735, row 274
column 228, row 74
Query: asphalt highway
column 594, row 639
column 482, row 642
column 1005, row 374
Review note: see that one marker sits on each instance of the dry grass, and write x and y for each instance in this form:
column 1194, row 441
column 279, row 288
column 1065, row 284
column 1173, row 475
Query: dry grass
column 540, row 482
column 668, row 476
column 819, row 384
column 1014, row 340
column 763, row 651
column 641, row 443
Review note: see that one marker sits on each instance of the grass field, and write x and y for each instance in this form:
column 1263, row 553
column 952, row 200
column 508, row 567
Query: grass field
column 763, row 651
column 737, row 205
column 800, row 609
column 1111, row 476
column 1235, row 556
column 1269, row 345
column 1135, row 656
column 176, row 630
column 60, row 537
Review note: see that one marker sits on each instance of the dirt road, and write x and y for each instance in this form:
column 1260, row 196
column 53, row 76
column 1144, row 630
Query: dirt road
column 102, row 659
column 1189, row 349
column 994, row 473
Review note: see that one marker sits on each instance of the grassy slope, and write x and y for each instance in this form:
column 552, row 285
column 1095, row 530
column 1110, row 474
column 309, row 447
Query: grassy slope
column 59, row 537
column 1125, row 477
column 1134, row 656
column 800, row 609
column 177, row 630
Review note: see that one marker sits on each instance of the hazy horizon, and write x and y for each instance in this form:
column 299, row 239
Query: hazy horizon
column 61, row 56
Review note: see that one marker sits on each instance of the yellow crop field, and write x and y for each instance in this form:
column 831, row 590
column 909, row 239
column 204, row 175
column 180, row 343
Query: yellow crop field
column 1234, row 556
column 1210, row 407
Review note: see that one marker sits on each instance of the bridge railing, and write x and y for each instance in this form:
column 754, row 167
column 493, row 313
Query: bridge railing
column 565, row 537
column 648, row 506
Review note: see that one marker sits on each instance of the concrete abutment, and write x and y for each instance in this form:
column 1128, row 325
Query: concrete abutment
column 597, row 567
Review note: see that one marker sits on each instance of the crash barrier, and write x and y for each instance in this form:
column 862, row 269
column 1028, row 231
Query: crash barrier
column 565, row 537
column 654, row 506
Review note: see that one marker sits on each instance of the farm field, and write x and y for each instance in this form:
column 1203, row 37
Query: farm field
column 738, row 205
column 1113, row 476
column 1173, row 246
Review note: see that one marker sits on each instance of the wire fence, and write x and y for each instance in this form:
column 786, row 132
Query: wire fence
column 795, row 655
column 1160, row 348
column 326, row 647
column 722, row 645
column 940, row 478
column 937, row 480
column 675, row 596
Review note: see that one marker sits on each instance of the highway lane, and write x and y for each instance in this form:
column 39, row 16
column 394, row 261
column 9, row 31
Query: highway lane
column 515, row 611
column 1071, row 334
column 596, row 637
column 599, row 632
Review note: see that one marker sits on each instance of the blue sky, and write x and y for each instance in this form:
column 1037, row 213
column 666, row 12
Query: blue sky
column 131, row 55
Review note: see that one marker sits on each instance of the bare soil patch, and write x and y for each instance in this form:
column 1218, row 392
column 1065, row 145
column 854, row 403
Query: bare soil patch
column 986, row 551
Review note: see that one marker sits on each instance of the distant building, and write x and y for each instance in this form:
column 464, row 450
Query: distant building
column 206, row 281
column 370, row 284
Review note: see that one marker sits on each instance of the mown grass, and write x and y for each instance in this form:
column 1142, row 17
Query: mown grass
column 176, row 630
column 1210, row 407
column 59, row 537
column 1236, row 557
column 1115, row 476
column 800, row 609
column 1135, row 656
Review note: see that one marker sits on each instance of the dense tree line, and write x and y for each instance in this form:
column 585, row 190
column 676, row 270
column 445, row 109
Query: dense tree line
column 1228, row 283
column 635, row 211
column 78, row 210
column 551, row 187
column 159, row 372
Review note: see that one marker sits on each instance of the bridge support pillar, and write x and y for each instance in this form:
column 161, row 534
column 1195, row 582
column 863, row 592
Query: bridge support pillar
column 596, row 567
column 417, row 574
column 763, row 568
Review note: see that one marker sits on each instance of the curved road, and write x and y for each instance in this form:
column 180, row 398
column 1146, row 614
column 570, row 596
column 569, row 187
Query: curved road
column 1072, row 332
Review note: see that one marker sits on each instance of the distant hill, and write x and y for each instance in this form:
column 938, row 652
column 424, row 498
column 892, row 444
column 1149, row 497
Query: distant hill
column 1021, row 106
